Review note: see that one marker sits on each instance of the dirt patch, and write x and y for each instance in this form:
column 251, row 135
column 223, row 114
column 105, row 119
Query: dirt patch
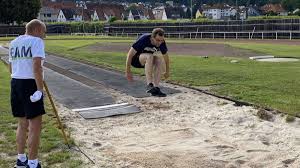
column 201, row 49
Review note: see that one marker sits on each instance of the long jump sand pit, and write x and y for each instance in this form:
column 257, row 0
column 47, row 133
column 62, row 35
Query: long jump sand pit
column 202, row 49
column 186, row 130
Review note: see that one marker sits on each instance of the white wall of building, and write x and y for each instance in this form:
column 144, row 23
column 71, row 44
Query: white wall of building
column 61, row 17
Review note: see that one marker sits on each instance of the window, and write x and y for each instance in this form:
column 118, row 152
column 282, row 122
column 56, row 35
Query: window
column 45, row 15
column 49, row 15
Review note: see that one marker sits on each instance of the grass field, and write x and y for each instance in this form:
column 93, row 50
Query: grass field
column 275, row 85
column 53, row 152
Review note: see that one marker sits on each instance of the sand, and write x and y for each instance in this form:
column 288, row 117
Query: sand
column 186, row 130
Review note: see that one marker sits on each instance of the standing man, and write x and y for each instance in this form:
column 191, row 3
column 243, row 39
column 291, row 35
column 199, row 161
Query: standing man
column 145, row 53
column 26, row 57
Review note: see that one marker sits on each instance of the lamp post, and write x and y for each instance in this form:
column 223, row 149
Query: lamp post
column 191, row 9
column 236, row 10
column 81, row 4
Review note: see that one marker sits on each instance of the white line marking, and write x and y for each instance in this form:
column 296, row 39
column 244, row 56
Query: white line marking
column 3, row 48
column 99, row 107
column 261, row 57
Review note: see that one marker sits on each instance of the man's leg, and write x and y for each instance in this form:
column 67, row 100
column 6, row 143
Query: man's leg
column 35, row 126
column 157, row 68
column 22, row 134
column 147, row 60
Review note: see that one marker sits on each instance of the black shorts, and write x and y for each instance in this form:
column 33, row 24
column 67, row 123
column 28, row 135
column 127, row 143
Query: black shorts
column 135, row 62
column 21, row 106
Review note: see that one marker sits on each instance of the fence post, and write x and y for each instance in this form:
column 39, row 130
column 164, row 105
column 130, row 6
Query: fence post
column 178, row 35
column 290, row 35
column 249, row 36
column 190, row 35
column 213, row 35
column 276, row 36
column 201, row 35
column 236, row 35
column 224, row 35
column 262, row 35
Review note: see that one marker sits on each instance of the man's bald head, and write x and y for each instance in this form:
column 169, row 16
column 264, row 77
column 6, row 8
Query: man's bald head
column 36, row 28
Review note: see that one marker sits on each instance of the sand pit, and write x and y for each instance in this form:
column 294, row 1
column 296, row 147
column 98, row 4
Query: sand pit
column 189, row 129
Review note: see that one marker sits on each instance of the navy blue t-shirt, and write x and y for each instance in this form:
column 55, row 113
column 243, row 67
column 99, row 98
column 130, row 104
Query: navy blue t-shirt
column 143, row 45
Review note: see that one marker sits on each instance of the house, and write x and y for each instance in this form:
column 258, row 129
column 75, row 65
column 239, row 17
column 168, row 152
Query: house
column 149, row 14
column 187, row 12
column 77, row 15
column 217, row 11
column 88, row 15
column 65, row 15
column 134, row 15
column 47, row 14
column 224, row 12
column 104, row 12
column 254, row 11
column 95, row 16
column 199, row 14
column 140, row 13
column 166, row 13
column 274, row 9
column 240, row 13
column 296, row 11
column 175, row 13
column 160, row 13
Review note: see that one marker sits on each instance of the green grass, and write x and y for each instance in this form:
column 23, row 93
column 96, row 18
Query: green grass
column 273, row 49
column 53, row 152
column 272, row 17
column 275, row 85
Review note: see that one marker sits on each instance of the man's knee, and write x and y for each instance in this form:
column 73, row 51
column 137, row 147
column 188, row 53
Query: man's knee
column 149, row 57
column 23, row 123
column 35, row 123
column 157, row 61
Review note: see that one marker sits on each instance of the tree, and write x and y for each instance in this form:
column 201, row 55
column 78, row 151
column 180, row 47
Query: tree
column 291, row 5
column 6, row 14
column 19, row 10
column 112, row 19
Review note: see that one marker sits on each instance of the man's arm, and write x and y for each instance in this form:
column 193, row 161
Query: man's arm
column 9, row 68
column 130, row 54
column 167, row 61
column 38, row 73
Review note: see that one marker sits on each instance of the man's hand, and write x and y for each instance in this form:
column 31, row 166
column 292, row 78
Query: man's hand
column 129, row 76
column 167, row 68
column 166, row 75
column 130, row 54
column 36, row 96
